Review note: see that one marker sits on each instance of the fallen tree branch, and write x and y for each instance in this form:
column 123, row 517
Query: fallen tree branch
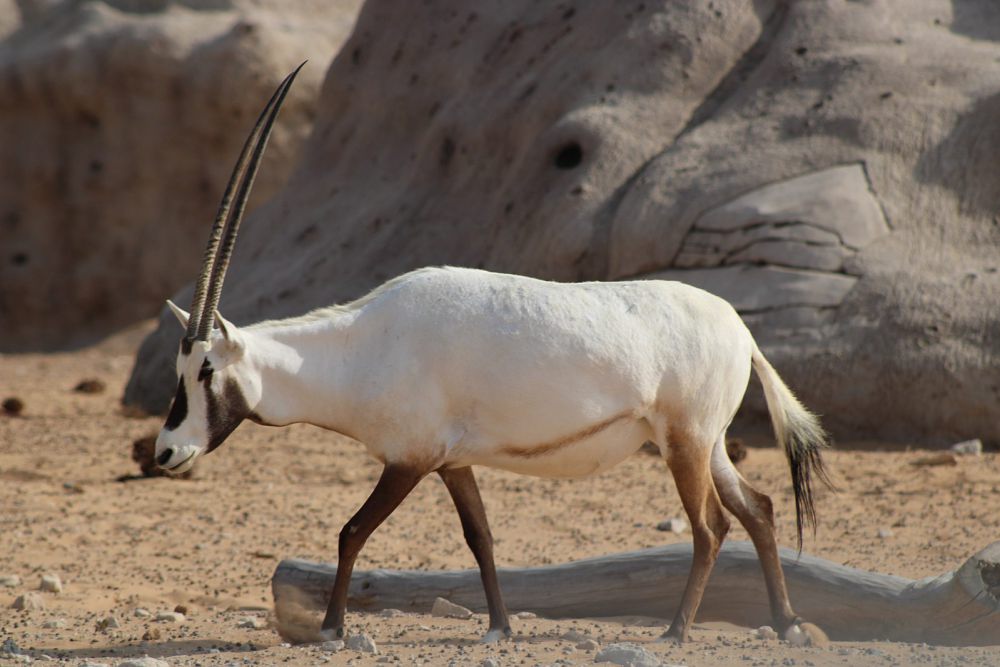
column 956, row 608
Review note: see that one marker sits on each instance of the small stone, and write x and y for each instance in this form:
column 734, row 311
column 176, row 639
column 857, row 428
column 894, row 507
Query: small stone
column 170, row 617
column 588, row 645
column 390, row 613
column 29, row 602
column 332, row 646
column 9, row 647
column 814, row 635
column 10, row 580
column 525, row 615
column 252, row 622
column 13, row 406
column 627, row 654
column 384, row 659
column 109, row 622
column 88, row 663
column 141, row 613
column 766, row 632
column 885, row 533
column 90, row 386
column 489, row 662
column 445, row 609
column 181, row 609
column 51, row 583
column 968, row 447
column 676, row 526
column 144, row 661
column 362, row 643
column 151, row 635
column 55, row 624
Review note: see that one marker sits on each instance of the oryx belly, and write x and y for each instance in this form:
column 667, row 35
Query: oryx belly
column 590, row 450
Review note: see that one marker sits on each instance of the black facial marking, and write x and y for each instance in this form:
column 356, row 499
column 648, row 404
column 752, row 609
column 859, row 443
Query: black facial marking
column 186, row 345
column 205, row 372
column 225, row 412
column 179, row 409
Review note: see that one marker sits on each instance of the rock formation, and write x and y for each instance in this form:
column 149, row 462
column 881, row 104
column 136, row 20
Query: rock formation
column 121, row 121
column 829, row 167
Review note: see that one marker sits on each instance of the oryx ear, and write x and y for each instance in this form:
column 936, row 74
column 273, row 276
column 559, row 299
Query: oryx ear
column 226, row 327
column 181, row 315
column 232, row 346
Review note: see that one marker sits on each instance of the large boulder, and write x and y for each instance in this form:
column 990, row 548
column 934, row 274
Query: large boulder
column 828, row 167
column 121, row 121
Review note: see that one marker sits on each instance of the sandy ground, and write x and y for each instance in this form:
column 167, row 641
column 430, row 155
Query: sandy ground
column 211, row 543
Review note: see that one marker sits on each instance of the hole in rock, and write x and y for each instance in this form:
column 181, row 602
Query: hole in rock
column 569, row 156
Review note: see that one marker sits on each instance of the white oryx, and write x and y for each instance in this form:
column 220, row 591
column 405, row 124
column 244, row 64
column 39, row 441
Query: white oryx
column 446, row 368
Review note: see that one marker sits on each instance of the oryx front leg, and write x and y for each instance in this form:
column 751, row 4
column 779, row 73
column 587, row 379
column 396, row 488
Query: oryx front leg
column 464, row 492
column 393, row 486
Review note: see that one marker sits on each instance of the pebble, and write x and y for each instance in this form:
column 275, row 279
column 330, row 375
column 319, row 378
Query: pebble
column 109, row 622
column 10, row 580
column 141, row 613
column 968, row 447
column 677, row 525
column 87, row 663
column 144, row 661
column 362, row 643
column 766, row 632
column 252, row 622
column 29, row 602
column 332, row 646
column 627, row 654
column 489, row 662
column 151, row 635
column 588, row 645
column 170, row 617
column 525, row 615
column 885, row 533
column 446, row 609
column 796, row 637
column 55, row 624
column 51, row 583
column 390, row 613
column 9, row 646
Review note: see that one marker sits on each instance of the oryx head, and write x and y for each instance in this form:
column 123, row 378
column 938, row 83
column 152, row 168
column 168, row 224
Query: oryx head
column 215, row 389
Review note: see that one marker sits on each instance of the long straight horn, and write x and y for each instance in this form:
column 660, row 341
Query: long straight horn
column 213, row 271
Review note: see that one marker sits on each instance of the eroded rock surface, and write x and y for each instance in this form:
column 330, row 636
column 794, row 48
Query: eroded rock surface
column 830, row 167
column 121, row 122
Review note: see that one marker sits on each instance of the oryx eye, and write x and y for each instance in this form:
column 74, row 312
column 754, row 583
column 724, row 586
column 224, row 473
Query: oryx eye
column 205, row 372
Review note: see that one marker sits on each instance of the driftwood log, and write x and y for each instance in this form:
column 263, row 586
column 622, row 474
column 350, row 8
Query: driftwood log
column 956, row 608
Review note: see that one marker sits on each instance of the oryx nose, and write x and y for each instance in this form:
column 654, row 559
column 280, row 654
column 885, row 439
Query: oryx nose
column 164, row 456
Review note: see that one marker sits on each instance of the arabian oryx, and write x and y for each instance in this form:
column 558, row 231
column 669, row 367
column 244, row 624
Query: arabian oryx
column 443, row 369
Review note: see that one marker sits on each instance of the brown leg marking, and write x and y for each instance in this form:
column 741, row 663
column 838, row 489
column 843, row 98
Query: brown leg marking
column 393, row 486
column 709, row 526
column 464, row 492
column 754, row 511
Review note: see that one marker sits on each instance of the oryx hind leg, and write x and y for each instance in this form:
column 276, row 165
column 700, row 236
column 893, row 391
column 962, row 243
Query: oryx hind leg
column 754, row 510
column 690, row 464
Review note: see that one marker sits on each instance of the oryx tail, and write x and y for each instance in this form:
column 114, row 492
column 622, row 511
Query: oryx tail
column 798, row 431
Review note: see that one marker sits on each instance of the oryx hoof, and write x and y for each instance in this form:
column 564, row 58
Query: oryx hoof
column 331, row 635
column 806, row 634
column 671, row 638
column 495, row 635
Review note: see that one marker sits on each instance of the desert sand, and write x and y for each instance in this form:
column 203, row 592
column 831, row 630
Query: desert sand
column 211, row 543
